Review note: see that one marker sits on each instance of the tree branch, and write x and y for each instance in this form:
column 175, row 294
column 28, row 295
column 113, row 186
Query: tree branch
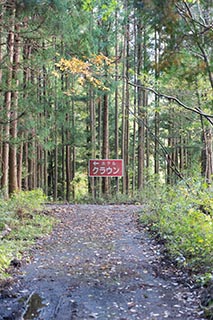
column 188, row 15
column 12, row 119
column 196, row 110
column 165, row 152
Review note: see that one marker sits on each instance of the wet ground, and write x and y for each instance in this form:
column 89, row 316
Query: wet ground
column 97, row 264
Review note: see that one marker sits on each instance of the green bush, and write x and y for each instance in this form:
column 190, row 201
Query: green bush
column 183, row 217
column 4, row 259
column 26, row 202
column 21, row 224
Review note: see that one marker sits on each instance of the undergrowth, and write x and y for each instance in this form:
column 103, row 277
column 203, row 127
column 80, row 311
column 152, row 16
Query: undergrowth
column 183, row 218
column 21, row 223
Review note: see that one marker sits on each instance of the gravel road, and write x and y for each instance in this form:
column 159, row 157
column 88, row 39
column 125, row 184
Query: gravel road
column 97, row 264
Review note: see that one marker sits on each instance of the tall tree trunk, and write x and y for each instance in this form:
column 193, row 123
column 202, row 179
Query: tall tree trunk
column 141, row 139
column 73, row 148
column 2, row 9
column 207, row 155
column 68, row 170
column 157, row 115
column 116, row 136
column 20, row 163
column 63, row 162
column 27, row 47
column 13, row 178
column 55, row 181
column 26, row 164
column 172, row 160
column 99, row 140
column 32, row 183
column 141, row 111
column 134, row 142
column 169, row 161
column 92, row 136
column 126, row 111
column 7, row 106
column 45, row 171
column 105, row 152
column 39, row 160
column 55, row 177
column 124, row 103
column 180, row 142
column 68, row 158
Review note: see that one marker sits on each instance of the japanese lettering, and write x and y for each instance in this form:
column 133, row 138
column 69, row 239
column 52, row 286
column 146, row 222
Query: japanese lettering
column 106, row 168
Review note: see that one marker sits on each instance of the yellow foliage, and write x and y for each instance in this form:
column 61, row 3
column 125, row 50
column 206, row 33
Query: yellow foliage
column 101, row 59
column 75, row 66
column 81, row 81
column 86, row 71
column 56, row 74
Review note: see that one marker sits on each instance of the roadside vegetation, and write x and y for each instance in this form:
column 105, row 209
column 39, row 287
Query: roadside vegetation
column 21, row 223
column 181, row 217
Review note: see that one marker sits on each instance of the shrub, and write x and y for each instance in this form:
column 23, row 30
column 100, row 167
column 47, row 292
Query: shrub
column 21, row 224
column 26, row 202
column 184, row 219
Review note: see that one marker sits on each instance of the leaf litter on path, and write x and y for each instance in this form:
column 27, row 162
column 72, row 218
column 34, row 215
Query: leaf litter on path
column 97, row 264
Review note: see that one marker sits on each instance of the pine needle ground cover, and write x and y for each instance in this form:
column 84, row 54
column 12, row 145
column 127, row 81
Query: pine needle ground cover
column 21, row 223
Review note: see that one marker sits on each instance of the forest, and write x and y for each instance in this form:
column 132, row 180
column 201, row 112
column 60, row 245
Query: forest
column 96, row 79
column 125, row 80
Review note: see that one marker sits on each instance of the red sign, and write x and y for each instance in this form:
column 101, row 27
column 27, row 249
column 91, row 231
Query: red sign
column 106, row 168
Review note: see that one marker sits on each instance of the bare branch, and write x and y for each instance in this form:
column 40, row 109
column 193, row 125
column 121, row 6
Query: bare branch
column 196, row 110
column 165, row 152
column 188, row 15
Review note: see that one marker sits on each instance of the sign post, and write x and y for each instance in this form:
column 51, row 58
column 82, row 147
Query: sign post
column 106, row 168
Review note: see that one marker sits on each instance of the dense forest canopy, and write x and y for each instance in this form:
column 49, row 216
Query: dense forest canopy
column 81, row 80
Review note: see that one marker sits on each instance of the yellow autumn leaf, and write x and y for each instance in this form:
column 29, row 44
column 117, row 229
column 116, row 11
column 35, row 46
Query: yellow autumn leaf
column 56, row 74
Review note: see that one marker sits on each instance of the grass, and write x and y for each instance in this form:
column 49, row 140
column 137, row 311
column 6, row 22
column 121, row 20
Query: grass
column 183, row 218
column 21, row 224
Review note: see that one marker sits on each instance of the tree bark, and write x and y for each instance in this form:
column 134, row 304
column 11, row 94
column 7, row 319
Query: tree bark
column 7, row 105
column 207, row 156
column 126, row 111
column 116, row 136
column 68, row 158
column 92, row 136
column 105, row 152
column 141, row 112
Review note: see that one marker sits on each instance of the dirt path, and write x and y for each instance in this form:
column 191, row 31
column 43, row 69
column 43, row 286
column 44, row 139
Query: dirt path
column 98, row 265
